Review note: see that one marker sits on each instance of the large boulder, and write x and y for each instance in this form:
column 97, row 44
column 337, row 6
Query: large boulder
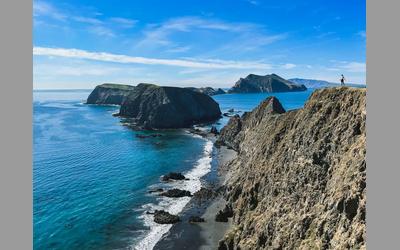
column 176, row 193
column 151, row 106
column 268, row 83
column 163, row 217
column 173, row 176
column 109, row 93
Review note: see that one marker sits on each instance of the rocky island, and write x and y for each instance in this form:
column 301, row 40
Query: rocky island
column 299, row 179
column 208, row 90
column 268, row 83
column 158, row 107
column 109, row 93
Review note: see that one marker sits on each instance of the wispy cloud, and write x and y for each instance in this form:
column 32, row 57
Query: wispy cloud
column 355, row 67
column 288, row 66
column 91, row 21
column 362, row 33
column 124, row 22
column 41, row 8
column 115, row 58
column 253, row 2
column 179, row 49
column 250, row 35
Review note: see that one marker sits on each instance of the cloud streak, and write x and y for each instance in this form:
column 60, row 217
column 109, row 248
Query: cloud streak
column 116, row 58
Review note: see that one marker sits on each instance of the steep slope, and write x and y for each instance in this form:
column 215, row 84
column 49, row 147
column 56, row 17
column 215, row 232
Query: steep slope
column 299, row 179
column 109, row 93
column 268, row 83
column 152, row 106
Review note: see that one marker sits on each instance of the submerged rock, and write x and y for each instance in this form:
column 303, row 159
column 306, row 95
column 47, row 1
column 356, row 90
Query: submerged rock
column 176, row 193
column 152, row 106
column 268, row 83
column 109, row 93
column 163, row 217
column 173, row 176
column 157, row 190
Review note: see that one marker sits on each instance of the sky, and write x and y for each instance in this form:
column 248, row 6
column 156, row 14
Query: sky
column 80, row 44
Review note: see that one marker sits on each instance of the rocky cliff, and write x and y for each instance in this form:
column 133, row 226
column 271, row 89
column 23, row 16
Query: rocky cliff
column 268, row 83
column 152, row 106
column 299, row 180
column 208, row 90
column 109, row 93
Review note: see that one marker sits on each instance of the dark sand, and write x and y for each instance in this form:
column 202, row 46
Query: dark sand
column 205, row 235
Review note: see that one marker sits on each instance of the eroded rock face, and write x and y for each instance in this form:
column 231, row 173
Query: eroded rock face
column 152, row 106
column 299, row 180
column 268, row 83
column 233, row 132
column 109, row 93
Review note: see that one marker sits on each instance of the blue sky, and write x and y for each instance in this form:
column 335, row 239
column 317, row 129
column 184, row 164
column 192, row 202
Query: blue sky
column 79, row 44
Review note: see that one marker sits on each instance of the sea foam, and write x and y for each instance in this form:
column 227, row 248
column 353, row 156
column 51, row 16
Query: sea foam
column 174, row 205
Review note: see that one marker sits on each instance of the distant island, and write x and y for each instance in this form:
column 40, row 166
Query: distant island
column 208, row 90
column 109, row 93
column 265, row 84
column 149, row 106
column 318, row 84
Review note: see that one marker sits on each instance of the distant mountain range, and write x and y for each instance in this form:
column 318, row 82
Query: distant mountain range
column 318, row 84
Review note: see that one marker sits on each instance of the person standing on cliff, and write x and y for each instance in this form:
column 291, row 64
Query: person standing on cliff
column 342, row 80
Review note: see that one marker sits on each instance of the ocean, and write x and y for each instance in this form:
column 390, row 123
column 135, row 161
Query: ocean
column 92, row 175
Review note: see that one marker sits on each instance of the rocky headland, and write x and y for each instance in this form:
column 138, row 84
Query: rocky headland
column 268, row 83
column 109, row 93
column 150, row 106
column 299, row 179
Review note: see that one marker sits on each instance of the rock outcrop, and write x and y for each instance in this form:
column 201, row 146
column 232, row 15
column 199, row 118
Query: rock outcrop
column 268, row 83
column 109, row 93
column 173, row 176
column 299, row 180
column 176, row 193
column 233, row 132
column 163, row 217
column 208, row 90
column 152, row 106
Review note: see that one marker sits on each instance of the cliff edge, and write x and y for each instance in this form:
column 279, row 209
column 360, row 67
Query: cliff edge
column 299, row 180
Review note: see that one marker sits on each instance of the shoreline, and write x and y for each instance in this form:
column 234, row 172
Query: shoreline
column 175, row 205
column 203, row 235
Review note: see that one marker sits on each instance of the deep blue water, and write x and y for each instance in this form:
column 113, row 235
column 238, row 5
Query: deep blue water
column 91, row 175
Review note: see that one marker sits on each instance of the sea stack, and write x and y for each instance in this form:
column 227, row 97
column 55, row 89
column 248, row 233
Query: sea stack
column 268, row 84
column 157, row 107
column 109, row 93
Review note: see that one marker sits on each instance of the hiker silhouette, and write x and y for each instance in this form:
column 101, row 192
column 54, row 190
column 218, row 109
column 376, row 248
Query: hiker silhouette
column 342, row 80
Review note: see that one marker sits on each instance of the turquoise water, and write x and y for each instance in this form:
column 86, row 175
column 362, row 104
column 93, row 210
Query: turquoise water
column 91, row 175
